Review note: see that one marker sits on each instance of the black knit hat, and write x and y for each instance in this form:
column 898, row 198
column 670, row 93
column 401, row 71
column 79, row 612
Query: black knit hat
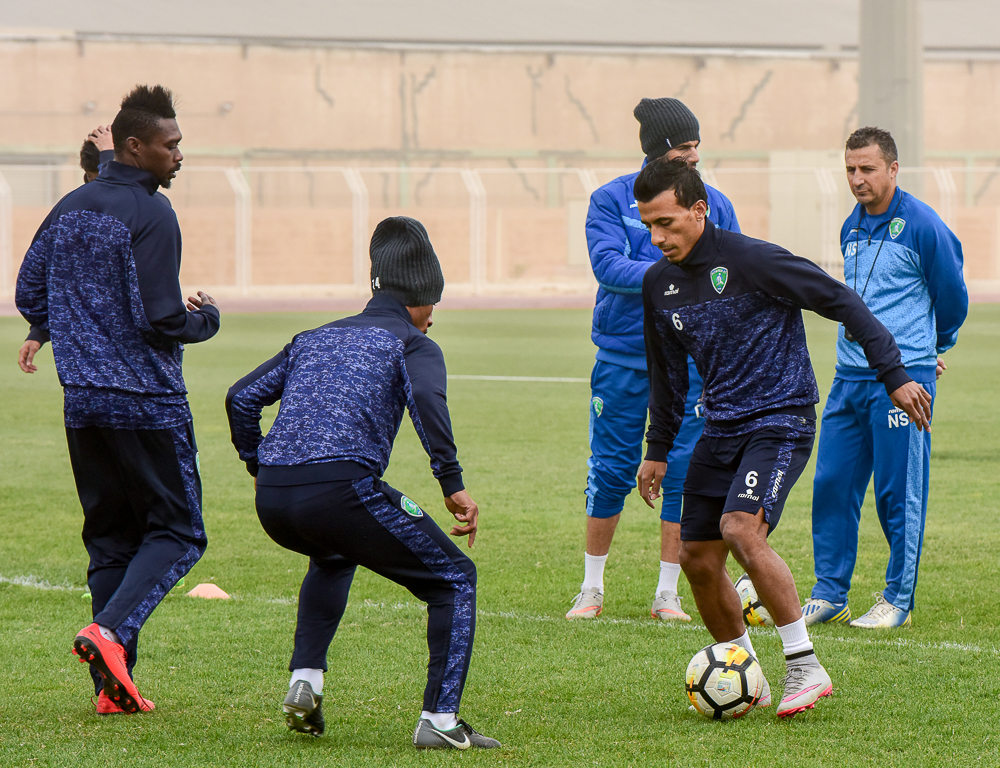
column 404, row 263
column 663, row 125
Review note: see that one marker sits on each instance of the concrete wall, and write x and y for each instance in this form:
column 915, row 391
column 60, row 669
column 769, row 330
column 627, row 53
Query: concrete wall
column 256, row 106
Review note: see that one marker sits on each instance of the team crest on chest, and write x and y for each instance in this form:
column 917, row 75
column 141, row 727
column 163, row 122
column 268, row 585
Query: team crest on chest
column 719, row 277
column 895, row 227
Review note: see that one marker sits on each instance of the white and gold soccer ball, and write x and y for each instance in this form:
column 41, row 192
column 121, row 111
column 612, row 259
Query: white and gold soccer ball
column 754, row 612
column 724, row 681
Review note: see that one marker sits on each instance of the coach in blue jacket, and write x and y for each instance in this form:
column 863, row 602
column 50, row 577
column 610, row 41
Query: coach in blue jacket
column 343, row 389
column 907, row 267
column 620, row 253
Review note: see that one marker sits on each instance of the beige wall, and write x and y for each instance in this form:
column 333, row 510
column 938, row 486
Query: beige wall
column 367, row 103
column 270, row 106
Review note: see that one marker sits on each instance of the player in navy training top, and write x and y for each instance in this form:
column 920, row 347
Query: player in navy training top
column 101, row 279
column 343, row 389
column 733, row 304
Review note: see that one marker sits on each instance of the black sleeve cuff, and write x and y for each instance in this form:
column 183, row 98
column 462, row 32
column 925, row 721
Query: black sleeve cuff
column 657, row 451
column 38, row 334
column 894, row 378
column 451, row 484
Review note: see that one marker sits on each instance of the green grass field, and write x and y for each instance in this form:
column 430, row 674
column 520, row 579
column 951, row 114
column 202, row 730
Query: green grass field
column 606, row 692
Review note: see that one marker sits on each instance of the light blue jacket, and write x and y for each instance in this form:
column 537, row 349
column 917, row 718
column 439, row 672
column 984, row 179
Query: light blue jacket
column 914, row 285
column 620, row 254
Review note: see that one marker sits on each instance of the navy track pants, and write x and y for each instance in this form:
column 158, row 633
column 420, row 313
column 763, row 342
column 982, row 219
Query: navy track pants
column 141, row 495
column 343, row 524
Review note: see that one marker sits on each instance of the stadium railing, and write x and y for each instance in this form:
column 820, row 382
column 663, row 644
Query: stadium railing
column 286, row 231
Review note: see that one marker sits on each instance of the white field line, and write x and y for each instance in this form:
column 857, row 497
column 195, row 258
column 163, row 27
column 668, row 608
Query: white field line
column 545, row 379
column 35, row 583
column 370, row 605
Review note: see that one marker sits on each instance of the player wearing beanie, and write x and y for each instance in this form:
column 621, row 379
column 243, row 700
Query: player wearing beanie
column 620, row 253
column 343, row 389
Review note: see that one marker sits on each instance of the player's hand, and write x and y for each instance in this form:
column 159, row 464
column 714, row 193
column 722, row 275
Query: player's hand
column 101, row 136
column 916, row 402
column 650, row 477
column 26, row 357
column 199, row 301
column 465, row 511
column 941, row 368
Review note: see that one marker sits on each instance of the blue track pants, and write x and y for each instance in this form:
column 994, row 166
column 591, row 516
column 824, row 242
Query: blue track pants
column 862, row 434
column 618, row 405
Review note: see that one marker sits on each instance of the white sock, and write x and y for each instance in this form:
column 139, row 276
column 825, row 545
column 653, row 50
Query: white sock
column 593, row 571
column 669, row 573
column 443, row 721
column 109, row 634
column 743, row 641
column 795, row 637
column 312, row 676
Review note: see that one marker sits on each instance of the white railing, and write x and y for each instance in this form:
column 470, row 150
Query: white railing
column 498, row 231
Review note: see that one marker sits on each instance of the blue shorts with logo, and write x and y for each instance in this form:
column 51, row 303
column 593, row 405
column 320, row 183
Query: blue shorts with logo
column 618, row 406
column 744, row 473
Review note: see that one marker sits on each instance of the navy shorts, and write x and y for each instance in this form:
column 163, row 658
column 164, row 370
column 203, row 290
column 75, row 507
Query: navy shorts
column 743, row 473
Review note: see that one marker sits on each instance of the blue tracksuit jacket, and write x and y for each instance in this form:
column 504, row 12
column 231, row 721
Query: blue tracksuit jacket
column 343, row 389
column 915, row 288
column 101, row 278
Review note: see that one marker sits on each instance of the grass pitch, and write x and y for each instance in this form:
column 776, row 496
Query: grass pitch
column 606, row 692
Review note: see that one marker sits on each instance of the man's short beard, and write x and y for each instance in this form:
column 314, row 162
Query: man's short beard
column 165, row 183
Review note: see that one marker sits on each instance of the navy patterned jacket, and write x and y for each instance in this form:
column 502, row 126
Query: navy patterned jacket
column 101, row 279
column 343, row 389
column 734, row 305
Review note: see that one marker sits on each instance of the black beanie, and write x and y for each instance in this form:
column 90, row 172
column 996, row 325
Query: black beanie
column 663, row 125
column 404, row 263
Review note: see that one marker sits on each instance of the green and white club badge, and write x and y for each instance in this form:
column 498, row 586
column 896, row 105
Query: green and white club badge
column 719, row 277
column 895, row 227
column 410, row 507
column 598, row 406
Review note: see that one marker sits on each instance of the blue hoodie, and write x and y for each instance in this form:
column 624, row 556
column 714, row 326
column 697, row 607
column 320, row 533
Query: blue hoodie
column 620, row 254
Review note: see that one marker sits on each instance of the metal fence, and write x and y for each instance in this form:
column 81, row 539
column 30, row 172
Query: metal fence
column 288, row 231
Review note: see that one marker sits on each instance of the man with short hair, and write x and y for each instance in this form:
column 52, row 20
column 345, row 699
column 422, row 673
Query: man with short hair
column 318, row 475
column 101, row 280
column 733, row 304
column 620, row 253
column 906, row 265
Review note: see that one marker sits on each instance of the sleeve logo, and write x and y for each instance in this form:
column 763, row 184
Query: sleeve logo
column 719, row 277
column 895, row 227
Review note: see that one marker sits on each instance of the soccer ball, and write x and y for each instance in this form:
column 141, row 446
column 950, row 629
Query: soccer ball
column 724, row 681
column 754, row 612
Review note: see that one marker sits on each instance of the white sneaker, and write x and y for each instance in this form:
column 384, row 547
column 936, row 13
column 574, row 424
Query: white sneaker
column 667, row 607
column 882, row 615
column 587, row 605
column 805, row 683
